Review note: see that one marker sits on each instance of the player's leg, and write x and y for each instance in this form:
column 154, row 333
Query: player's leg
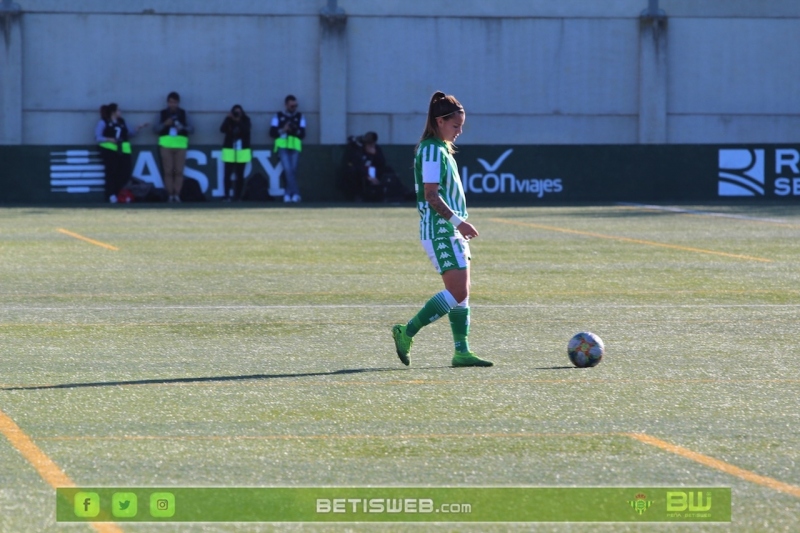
column 457, row 282
column 443, row 257
column 438, row 306
column 450, row 257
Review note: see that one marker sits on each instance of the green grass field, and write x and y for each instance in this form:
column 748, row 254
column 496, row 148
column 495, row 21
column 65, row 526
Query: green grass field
column 251, row 347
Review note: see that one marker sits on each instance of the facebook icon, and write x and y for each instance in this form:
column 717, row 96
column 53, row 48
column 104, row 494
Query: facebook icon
column 87, row 504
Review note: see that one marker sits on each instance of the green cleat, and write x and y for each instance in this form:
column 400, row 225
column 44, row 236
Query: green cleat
column 402, row 343
column 469, row 359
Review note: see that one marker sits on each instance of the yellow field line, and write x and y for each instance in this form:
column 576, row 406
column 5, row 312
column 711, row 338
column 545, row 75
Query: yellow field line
column 47, row 469
column 722, row 466
column 686, row 453
column 87, row 239
column 630, row 240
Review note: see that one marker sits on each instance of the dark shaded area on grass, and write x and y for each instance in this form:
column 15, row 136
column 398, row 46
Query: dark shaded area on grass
column 202, row 379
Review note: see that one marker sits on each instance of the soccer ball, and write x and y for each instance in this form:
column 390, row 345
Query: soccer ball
column 585, row 349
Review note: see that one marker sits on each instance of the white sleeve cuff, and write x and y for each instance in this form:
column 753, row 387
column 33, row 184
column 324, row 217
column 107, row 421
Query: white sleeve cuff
column 456, row 220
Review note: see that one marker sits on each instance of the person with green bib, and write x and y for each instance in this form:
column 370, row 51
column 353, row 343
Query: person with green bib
column 113, row 136
column 173, row 132
column 236, row 152
column 288, row 128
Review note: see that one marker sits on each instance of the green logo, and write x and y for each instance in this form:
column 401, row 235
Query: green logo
column 87, row 504
column 679, row 501
column 162, row 504
column 640, row 503
column 124, row 504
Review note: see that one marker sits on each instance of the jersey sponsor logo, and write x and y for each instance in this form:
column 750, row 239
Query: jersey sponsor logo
column 495, row 181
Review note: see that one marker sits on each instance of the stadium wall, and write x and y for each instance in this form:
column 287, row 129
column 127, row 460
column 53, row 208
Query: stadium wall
column 543, row 72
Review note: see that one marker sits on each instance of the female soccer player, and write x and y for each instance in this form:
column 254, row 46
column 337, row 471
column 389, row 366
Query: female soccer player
column 444, row 231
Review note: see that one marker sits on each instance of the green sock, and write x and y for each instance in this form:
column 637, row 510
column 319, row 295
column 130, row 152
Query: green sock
column 434, row 309
column 459, row 324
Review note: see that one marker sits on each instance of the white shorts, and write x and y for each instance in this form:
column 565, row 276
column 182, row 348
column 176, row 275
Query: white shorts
column 448, row 253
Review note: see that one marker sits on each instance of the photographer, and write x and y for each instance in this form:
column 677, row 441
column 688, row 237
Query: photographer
column 365, row 169
column 289, row 129
column 236, row 152
column 173, row 131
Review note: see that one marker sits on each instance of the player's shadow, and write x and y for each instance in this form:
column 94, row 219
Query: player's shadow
column 207, row 379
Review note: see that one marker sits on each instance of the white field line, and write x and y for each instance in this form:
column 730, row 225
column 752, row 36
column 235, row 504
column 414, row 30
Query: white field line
column 383, row 306
column 703, row 213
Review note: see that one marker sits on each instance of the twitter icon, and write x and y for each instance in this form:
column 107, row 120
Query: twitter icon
column 124, row 504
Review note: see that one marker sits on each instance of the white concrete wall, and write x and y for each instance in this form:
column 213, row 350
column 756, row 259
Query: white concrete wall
column 734, row 80
column 528, row 71
column 522, row 80
column 72, row 65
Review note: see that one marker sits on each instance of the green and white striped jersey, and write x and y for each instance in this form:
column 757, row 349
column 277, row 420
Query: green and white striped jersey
column 434, row 164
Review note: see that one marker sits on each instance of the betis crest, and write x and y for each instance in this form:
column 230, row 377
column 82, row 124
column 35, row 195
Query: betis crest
column 640, row 503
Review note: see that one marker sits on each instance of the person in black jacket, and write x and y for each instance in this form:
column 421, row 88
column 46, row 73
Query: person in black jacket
column 173, row 131
column 289, row 129
column 236, row 152
column 112, row 136
column 365, row 169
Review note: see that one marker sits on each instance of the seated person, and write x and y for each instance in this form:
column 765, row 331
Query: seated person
column 365, row 169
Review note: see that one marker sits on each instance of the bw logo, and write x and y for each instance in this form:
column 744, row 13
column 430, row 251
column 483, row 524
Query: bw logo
column 741, row 172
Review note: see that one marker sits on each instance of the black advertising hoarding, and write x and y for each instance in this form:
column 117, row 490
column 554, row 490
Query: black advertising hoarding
column 629, row 173
column 513, row 174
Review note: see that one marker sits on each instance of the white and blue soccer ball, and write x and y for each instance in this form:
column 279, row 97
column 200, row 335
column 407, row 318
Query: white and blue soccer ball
column 585, row 349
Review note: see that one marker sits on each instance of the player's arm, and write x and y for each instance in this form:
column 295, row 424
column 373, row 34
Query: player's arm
column 437, row 203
